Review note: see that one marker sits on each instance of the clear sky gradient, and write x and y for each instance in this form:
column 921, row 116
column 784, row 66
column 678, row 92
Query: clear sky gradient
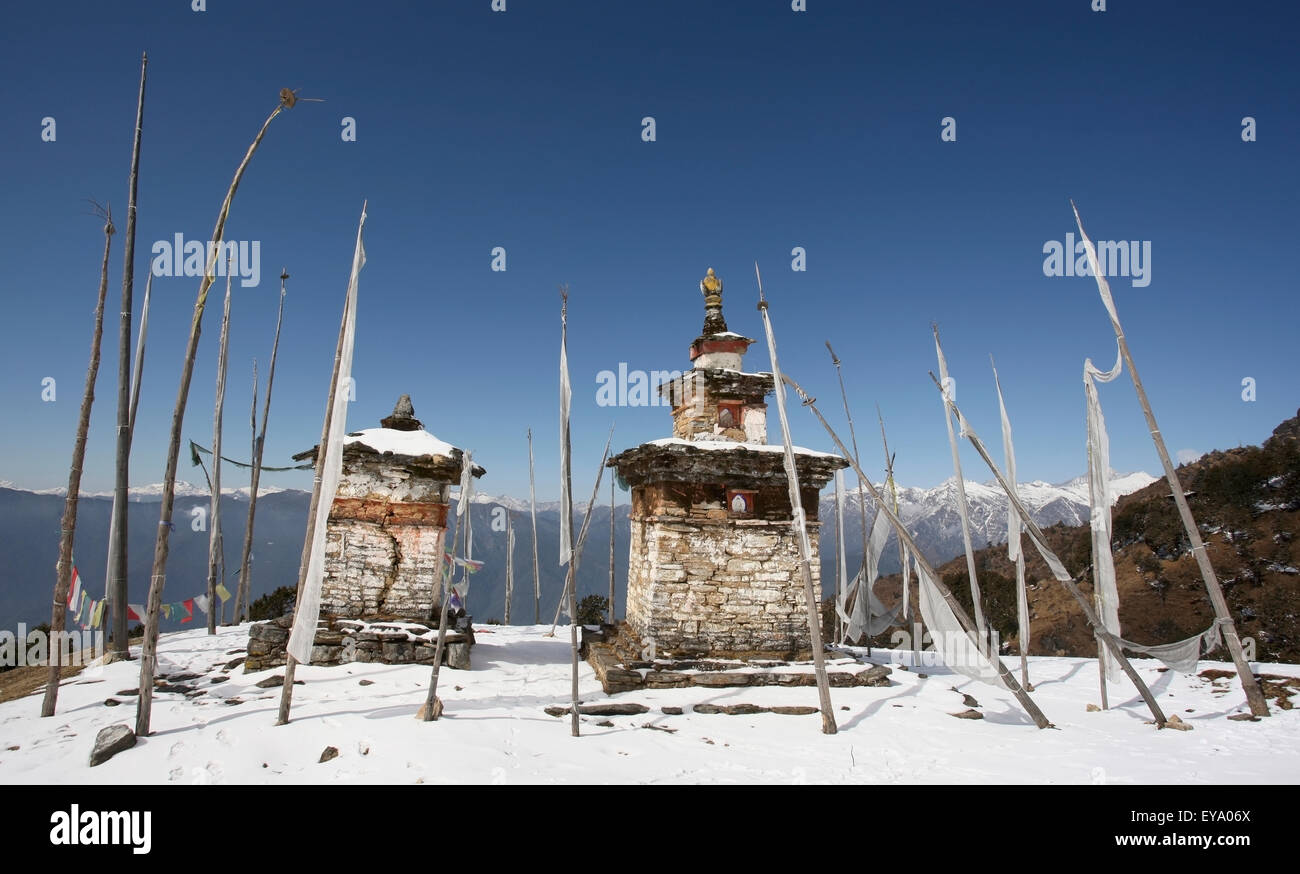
column 775, row 129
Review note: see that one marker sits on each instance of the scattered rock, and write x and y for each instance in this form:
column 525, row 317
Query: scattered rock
column 160, row 686
column 180, row 678
column 672, row 711
column 329, row 753
column 126, row 692
column 13, row 748
column 365, row 682
column 797, row 711
column 110, row 741
column 270, row 682
column 605, row 723
column 1175, row 722
column 923, row 676
column 220, row 679
column 1093, row 708
column 969, row 701
column 969, row 714
column 111, row 702
column 1244, row 717
column 556, row 711
column 730, row 709
column 659, row 727
column 844, row 707
column 877, row 675
column 459, row 688
column 233, row 663
column 232, row 701
column 423, row 713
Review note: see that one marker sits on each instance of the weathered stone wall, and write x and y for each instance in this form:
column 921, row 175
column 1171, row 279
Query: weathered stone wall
column 384, row 540
column 380, row 569
column 726, row 588
column 342, row 641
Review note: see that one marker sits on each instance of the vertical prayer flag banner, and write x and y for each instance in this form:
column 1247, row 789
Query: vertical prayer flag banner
column 566, row 401
column 97, row 615
column 202, row 602
column 135, row 611
column 222, row 592
column 188, row 605
column 167, row 611
column 307, row 611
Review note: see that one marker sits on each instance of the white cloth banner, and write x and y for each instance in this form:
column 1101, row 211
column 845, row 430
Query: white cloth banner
column 951, row 641
column 946, row 383
column 307, row 611
column 463, row 509
column 1103, row 562
column 566, row 401
column 842, row 571
column 1014, row 551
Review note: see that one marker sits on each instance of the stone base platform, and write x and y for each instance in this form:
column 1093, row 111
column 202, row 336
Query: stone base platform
column 341, row 641
column 615, row 655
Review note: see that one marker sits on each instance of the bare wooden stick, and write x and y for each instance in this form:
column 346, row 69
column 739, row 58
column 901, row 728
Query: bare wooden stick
column 800, row 525
column 432, row 705
column 215, row 541
column 958, row 612
column 611, row 549
column 566, row 471
column 1055, row 564
column 68, row 527
column 532, row 508
column 115, row 582
column 158, row 575
column 510, row 564
column 245, row 591
column 1254, row 696
column 862, row 501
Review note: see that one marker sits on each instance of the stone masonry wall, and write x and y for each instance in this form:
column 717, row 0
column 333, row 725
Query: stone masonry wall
column 380, row 569
column 729, row 589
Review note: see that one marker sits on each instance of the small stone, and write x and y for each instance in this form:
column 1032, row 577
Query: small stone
column 111, row 702
column 969, row 714
column 271, row 682
column 923, row 676
column 1176, row 723
column 556, row 711
column 672, row 711
column 233, row 701
column 128, row 692
column 1093, row 708
column 110, row 741
column 329, row 753
column 796, row 711
column 1239, row 717
column 220, row 679
column 605, row 723
column 969, row 701
column 233, row 663
column 844, row 707
column 365, row 682
column 423, row 713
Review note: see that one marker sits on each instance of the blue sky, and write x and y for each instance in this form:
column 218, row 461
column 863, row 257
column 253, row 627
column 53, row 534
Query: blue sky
column 774, row 129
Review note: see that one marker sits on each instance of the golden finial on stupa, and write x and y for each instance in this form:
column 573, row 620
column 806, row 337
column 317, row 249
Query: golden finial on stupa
column 710, row 284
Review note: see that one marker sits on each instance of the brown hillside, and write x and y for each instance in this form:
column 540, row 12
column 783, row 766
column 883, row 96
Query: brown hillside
column 1247, row 505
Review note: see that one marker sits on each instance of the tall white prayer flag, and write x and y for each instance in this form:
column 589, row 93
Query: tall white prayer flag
column 307, row 611
column 1014, row 552
column 1103, row 562
column 566, row 400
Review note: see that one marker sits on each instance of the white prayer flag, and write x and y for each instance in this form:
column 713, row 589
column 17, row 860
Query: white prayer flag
column 307, row 611
column 566, row 400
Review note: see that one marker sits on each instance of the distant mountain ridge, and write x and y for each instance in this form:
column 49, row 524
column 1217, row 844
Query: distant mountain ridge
column 30, row 520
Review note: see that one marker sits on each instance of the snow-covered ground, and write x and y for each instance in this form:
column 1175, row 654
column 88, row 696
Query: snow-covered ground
column 494, row 729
